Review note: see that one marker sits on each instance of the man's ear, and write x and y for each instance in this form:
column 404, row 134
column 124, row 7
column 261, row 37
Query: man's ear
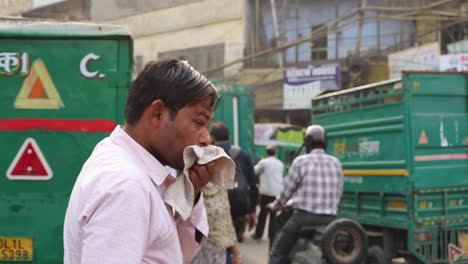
column 156, row 112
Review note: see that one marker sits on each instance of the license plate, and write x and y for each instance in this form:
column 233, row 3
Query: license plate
column 16, row 249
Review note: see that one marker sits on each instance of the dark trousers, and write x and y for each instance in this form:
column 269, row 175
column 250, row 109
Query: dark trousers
column 239, row 226
column 264, row 200
column 287, row 236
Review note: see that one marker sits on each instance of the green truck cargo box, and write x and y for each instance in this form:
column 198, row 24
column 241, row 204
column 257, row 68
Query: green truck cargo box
column 404, row 149
column 236, row 111
column 63, row 89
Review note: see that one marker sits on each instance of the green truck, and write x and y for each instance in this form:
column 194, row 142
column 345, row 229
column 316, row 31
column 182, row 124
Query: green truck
column 403, row 144
column 236, row 111
column 63, row 89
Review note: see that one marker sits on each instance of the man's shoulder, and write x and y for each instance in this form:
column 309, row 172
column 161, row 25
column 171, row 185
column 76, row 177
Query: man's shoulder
column 332, row 158
column 242, row 153
column 109, row 156
column 112, row 163
column 277, row 160
column 301, row 158
column 111, row 179
column 231, row 150
column 272, row 160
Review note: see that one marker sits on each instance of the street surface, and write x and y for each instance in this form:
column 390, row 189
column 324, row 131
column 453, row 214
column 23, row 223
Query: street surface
column 253, row 251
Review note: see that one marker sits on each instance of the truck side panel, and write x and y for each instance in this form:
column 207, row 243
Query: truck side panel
column 367, row 131
column 236, row 111
column 439, row 120
column 67, row 107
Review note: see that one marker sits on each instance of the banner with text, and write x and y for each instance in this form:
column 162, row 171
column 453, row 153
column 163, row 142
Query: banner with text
column 454, row 62
column 302, row 83
column 422, row 58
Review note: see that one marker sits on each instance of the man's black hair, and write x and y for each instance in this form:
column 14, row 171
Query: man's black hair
column 270, row 150
column 219, row 131
column 172, row 81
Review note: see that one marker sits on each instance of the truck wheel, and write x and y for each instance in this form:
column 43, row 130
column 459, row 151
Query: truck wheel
column 375, row 255
column 344, row 241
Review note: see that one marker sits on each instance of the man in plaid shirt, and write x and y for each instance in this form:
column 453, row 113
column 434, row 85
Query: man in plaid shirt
column 315, row 184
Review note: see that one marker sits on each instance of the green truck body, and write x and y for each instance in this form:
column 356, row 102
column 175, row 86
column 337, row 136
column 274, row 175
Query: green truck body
column 63, row 89
column 236, row 111
column 404, row 149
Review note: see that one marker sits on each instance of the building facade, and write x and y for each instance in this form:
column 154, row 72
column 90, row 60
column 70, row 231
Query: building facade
column 207, row 33
column 69, row 10
column 14, row 7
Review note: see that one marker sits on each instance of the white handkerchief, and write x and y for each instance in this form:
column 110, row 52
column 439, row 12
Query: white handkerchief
column 180, row 195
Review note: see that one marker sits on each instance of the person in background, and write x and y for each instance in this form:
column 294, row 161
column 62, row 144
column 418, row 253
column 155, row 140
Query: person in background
column 315, row 184
column 116, row 212
column 270, row 173
column 243, row 198
column 222, row 236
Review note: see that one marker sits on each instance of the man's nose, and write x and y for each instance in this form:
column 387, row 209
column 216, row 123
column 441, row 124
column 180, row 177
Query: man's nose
column 204, row 139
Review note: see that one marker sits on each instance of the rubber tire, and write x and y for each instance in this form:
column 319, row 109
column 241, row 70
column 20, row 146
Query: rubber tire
column 375, row 255
column 360, row 238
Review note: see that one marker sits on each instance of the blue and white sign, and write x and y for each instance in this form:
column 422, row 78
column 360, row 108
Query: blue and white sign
column 302, row 83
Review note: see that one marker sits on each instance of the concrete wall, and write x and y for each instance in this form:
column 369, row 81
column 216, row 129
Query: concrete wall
column 376, row 73
column 429, row 30
column 267, row 84
column 196, row 24
column 70, row 10
column 111, row 9
column 14, row 7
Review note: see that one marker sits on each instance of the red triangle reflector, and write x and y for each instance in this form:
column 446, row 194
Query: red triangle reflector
column 29, row 163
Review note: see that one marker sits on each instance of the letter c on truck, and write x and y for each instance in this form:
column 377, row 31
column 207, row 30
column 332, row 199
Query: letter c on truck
column 84, row 67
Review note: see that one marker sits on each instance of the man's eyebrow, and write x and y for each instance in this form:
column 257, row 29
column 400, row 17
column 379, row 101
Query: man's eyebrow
column 205, row 115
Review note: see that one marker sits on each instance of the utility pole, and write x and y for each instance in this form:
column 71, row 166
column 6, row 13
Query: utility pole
column 257, row 26
column 256, row 31
column 378, row 33
column 337, row 33
column 361, row 21
column 297, row 30
column 277, row 35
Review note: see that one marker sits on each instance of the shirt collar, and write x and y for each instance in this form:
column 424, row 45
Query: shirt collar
column 318, row 150
column 156, row 171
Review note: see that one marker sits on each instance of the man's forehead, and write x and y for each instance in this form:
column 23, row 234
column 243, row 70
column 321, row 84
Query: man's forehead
column 204, row 112
column 202, row 109
column 207, row 103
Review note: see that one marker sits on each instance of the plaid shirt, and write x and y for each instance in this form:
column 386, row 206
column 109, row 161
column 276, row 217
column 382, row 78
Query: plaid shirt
column 315, row 182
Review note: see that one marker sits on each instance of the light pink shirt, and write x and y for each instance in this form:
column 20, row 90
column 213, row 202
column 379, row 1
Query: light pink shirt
column 116, row 213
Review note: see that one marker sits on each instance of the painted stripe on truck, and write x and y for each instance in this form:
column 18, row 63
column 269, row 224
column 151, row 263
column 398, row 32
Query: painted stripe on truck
column 460, row 156
column 86, row 126
column 375, row 172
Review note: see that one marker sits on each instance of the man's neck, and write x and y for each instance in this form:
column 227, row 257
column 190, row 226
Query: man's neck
column 136, row 134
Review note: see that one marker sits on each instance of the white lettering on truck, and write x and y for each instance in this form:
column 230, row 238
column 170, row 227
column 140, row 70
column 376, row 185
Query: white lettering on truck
column 84, row 67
